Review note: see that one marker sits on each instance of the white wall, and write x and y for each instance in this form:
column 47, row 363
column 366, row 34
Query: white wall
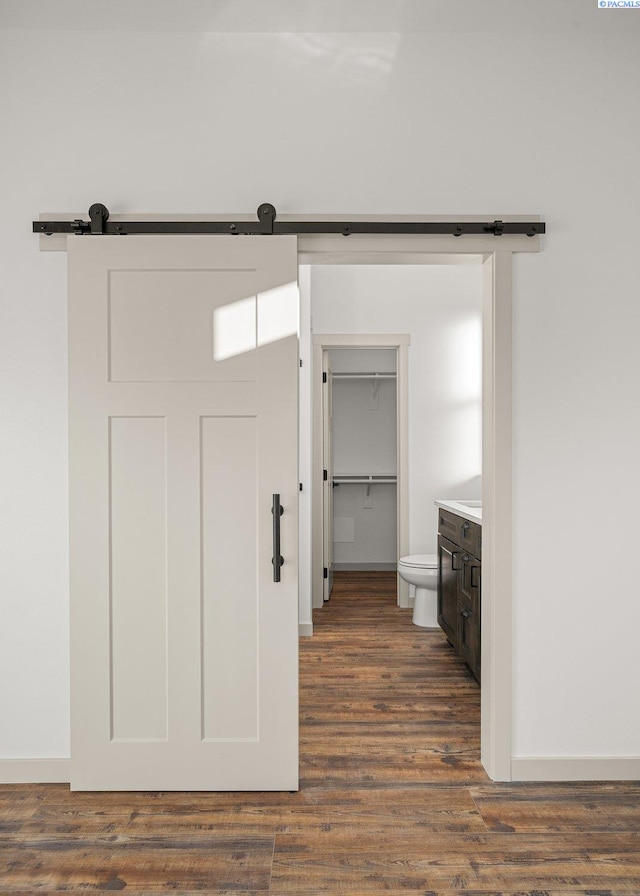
column 365, row 530
column 364, row 438
column 440, row 306
column 484, row 107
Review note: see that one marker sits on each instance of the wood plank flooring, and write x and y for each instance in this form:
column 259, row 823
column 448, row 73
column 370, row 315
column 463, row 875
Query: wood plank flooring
column 393, row 797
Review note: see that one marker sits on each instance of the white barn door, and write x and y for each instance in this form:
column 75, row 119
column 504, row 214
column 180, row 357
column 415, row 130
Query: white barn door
column 183, row 425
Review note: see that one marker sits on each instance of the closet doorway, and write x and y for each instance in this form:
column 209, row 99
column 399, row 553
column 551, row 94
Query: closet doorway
column 360, row 456
column 360, row 407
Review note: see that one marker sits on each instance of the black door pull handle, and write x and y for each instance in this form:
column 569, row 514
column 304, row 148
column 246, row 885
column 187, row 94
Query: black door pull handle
column 277, row 560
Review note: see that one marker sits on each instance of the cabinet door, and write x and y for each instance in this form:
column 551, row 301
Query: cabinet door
column 448, row 571
column 470, row 581
column 469, row 638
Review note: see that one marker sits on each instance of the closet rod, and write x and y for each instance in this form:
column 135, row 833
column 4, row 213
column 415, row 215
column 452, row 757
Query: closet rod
column 99, row 224
column 364, row 376
column 365, row 480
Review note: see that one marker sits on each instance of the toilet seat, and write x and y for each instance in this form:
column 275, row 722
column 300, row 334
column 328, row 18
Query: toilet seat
column 421, row 561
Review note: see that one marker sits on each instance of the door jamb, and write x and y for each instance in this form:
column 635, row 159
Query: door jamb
column 497, row 582
column 324, row 342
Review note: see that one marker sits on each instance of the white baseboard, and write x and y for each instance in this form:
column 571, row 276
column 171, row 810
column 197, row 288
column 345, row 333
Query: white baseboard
column 575, row 768
column 345, row 566
column 305, row 629
column 35, row 771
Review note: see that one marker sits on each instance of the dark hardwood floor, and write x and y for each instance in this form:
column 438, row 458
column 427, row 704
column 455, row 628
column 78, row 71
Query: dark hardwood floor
column 393, row 797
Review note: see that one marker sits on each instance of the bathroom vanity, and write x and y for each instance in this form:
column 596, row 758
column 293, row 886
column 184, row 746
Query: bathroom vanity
column 459, row 575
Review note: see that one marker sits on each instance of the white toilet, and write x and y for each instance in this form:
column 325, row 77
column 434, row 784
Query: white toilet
column 421, row 570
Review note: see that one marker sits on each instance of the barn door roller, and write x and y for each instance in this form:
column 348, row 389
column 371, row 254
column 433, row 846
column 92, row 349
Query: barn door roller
column 266, row 224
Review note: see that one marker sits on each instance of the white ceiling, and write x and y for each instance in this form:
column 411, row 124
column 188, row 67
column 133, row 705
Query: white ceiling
column 277, row 16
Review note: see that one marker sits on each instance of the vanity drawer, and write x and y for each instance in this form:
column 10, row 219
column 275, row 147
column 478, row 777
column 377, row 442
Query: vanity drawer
column 470, row 537
column 460, row 531
column 448, row 525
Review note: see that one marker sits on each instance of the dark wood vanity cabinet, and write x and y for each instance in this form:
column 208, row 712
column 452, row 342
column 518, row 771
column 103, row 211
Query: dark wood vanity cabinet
column 459, row 574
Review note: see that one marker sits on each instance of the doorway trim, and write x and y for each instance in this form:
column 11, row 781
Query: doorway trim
column 324, row 342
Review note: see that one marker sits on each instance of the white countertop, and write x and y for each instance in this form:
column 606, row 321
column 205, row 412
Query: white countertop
column 470, row 510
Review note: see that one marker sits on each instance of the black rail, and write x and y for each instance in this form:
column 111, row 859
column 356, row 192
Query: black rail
column 266, row 225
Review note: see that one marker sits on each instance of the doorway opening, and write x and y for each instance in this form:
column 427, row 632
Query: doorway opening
column 373, row 437
column 493, row 326
column 432, row 450
column 360, row 441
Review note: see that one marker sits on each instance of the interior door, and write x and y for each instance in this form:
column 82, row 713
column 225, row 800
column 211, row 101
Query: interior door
column 183, row 426
column 327, row 454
